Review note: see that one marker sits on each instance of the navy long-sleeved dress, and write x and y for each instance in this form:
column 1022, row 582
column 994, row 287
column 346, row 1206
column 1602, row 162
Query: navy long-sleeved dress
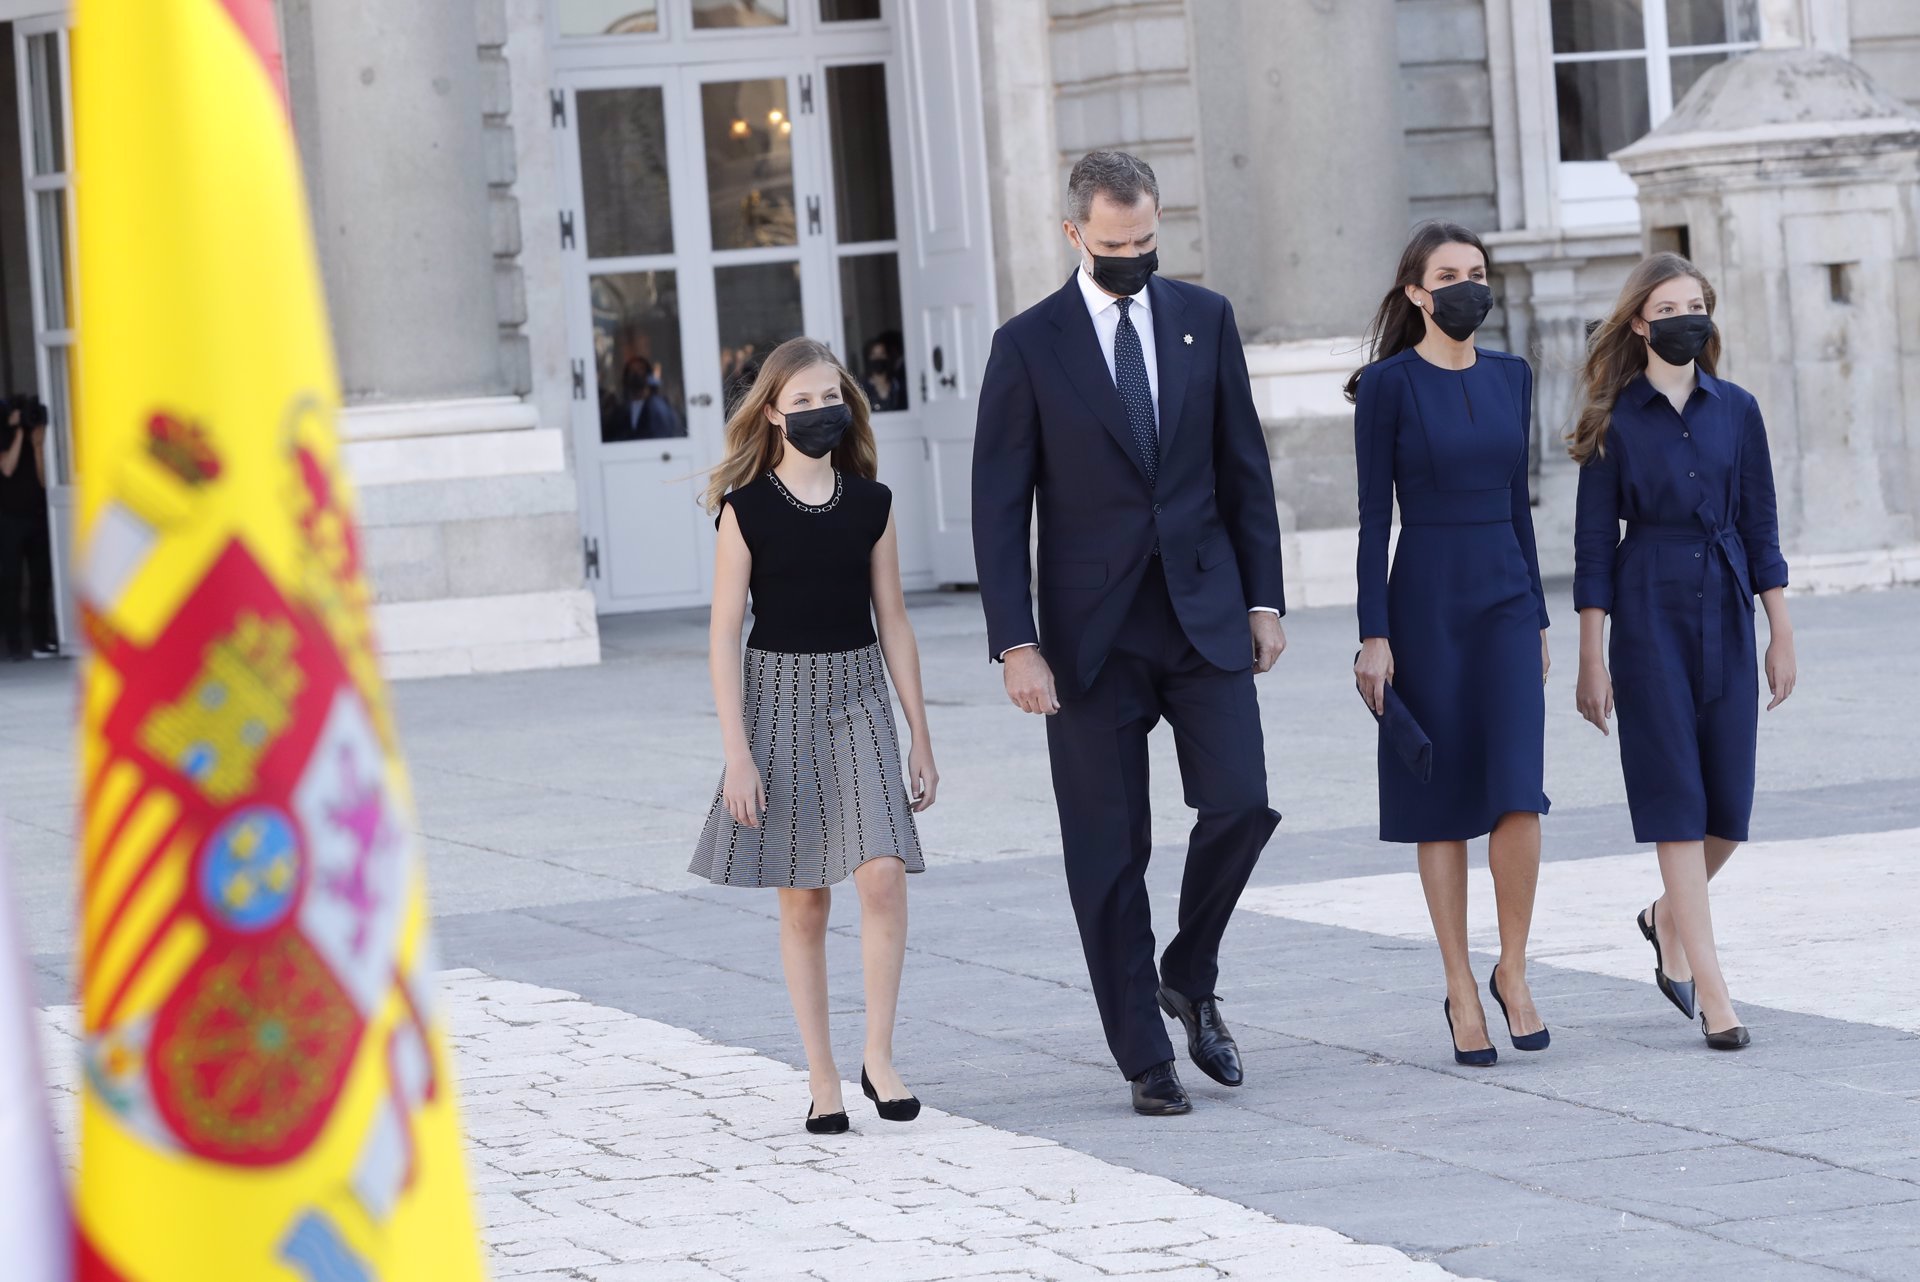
column 1462, row 607
column 1702, row 539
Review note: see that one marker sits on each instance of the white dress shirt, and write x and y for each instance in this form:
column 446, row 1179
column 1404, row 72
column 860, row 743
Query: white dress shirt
column 1104, row 308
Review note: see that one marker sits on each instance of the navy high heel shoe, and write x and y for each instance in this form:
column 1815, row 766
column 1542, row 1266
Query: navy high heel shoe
column 1521, row 1041
column 1472, row 1059
column 1727, row 1039
column 1679, row 992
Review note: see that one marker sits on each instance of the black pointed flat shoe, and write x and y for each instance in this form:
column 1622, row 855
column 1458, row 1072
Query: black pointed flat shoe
column 1678, row 991
column 1157, row 1092
column 826, row 1123
column 1209, row 1044
column 1521, row 1041
column 1727, row 1039
column 891, row 1110
column 1472, row 1059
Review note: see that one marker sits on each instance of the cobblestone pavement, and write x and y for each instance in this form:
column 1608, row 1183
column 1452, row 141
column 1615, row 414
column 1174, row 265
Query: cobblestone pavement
column 610, row 1148
column 558, row 812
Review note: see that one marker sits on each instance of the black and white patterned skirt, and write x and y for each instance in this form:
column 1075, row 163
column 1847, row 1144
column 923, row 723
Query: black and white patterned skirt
column 821, row 730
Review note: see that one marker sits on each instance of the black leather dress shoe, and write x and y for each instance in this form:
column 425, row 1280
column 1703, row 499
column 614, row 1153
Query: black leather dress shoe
column 1212, row 1047
column 1158, row 1093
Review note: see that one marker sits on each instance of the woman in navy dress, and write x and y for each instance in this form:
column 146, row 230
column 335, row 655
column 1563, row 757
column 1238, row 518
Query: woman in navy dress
column 1681, row 456
column 1459, row 627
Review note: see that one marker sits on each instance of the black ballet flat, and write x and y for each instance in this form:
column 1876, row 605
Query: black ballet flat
column 891, row 1110
column 1678, row 991
column 827, row 1123
column 1471, row 1059
column 1727, row 1039
column 1521, row 1041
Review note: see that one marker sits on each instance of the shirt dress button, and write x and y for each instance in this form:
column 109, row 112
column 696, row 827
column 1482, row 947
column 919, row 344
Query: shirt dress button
column 1696, row 556
column 1700, row 594
column 1692, row 474
column 1684, row 435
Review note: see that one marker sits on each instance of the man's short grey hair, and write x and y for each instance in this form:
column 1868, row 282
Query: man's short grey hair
column 1116, row 174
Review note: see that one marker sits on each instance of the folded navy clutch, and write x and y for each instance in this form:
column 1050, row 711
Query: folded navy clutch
column 1403, row 734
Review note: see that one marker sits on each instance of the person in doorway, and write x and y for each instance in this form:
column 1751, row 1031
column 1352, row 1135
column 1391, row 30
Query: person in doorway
column 813, row 788
column 880, row 378
column 1122, row 405
column 643, row 412
column 1459, row 627
column 41, row 626
column 1681, row 456
column 16, row 472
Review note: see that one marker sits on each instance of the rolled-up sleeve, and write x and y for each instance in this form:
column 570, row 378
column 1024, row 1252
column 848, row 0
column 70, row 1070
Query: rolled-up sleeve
column 1373, row 433
column 1759, row 520
column 1596, row 530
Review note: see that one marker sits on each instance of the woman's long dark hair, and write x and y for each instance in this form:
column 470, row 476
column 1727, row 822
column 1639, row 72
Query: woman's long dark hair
column 1398, row 324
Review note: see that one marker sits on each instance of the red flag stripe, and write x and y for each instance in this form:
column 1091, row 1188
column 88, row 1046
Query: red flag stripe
column 256, row 23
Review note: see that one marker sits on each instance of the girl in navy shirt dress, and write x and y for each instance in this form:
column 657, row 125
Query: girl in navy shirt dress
column 1459, row 626
column 1680, row 456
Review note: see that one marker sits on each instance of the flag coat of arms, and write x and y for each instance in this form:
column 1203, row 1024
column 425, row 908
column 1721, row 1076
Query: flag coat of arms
column 267, row 1091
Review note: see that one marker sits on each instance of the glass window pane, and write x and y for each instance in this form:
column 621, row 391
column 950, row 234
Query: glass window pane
column 59, row 399
column 1690, row 67
column 623, row 172
column 862, row 153
column 53, row 255
column 739, row 13
column 876, row 351
column 849, row 10
column 636, row 350
column 609, row 17
column 759, row 309
column 1711, row 22
column 749, row 141
column 1603, row 106
column 1591, row 26
column 48, row 104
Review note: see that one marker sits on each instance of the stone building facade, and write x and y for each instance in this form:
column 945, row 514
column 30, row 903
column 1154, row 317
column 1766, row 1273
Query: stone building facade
column 556, row 234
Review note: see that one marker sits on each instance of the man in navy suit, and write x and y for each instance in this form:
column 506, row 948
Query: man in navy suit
column 1122, row 405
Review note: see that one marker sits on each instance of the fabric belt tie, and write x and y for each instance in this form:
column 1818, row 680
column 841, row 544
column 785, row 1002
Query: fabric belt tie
column 1731, row 558
column 1456, row 507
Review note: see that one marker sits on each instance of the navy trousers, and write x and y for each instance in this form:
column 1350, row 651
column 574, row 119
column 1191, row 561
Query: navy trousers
column 1098, row 746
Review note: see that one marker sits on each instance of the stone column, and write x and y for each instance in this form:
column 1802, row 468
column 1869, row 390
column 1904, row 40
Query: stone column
column 1305, row 204
column 387, row 105
column 1794, row 178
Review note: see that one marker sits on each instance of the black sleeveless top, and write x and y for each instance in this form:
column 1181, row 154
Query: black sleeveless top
column 812, row 581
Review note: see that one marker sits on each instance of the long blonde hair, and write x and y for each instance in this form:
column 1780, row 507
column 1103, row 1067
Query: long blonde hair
column 1616, row 355
column 756, row 444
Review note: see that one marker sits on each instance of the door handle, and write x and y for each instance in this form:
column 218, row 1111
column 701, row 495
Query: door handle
column 666, row 456
column 703, row 400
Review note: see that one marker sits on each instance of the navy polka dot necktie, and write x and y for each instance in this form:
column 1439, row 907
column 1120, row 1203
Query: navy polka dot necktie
column 1130, row 377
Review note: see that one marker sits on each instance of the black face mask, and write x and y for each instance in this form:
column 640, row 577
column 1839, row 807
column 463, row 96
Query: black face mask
column 878, row 365
column 1124, row 277
column 816, row 433
column 1677, row 340
column 1458, row 309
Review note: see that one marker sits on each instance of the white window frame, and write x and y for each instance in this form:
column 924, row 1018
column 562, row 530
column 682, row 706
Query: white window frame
column 1575, row 195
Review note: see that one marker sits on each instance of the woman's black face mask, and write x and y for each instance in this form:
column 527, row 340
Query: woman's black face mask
column 816, row 433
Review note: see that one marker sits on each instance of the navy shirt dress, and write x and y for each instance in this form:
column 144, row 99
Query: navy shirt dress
column 1702, row 539
column 1462, row 607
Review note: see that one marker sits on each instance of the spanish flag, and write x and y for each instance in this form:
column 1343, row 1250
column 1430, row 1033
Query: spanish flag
column 267, row 1088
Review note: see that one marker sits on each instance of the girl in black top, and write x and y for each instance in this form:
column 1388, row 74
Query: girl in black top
column 813, row 786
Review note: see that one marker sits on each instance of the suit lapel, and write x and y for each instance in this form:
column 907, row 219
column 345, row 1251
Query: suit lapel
column 1078, row 349
column 1172, row 353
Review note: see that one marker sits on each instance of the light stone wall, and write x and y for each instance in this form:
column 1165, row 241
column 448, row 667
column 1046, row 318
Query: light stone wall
column 1124, row 77
column 412, row 117
column 1446, row 104
column 1885, row 41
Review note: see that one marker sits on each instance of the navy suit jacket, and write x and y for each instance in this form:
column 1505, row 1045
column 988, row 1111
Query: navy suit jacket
column 1052, row 425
